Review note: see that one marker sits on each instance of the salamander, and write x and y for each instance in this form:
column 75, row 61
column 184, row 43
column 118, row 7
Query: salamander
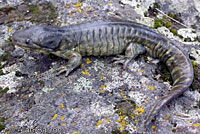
column 111, row 37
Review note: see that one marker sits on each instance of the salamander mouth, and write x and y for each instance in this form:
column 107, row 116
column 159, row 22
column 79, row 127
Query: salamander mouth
column 31, row 46
column 21, row 43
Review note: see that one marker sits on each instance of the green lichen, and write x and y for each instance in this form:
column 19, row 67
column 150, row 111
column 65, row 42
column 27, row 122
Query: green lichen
column 10, row 41
column 117, row 131
column 194, row 64
column 2, row 91
column 45, row 13
column 194, row 26
column 1, row 72
column 6, row 57
column 2, row 119
column 156, row 5
column 157, row 23
column 2, row 127
column 196, row 82
column 174, row 31
column 168, row 24
column 162, row 22
column 34, row 9
column 172, row 15
column 52, row 9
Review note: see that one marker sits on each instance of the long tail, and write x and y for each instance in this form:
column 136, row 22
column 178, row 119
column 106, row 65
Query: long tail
column 181, row 71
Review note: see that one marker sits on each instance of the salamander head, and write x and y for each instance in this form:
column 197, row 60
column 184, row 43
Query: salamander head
column 37, row 38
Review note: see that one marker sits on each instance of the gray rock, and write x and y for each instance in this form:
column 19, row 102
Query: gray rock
column 41, row 102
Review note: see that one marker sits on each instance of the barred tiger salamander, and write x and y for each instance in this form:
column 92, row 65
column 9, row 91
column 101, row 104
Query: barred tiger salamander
column 111, row 37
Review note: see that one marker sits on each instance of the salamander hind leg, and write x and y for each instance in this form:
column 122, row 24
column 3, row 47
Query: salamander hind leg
column 74, row 60
column 132, row 51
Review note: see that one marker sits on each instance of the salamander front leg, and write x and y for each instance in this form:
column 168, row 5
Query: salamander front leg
column 74, row 60
column 132, row 51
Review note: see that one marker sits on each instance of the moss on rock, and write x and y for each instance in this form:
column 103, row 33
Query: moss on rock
column 196, row 82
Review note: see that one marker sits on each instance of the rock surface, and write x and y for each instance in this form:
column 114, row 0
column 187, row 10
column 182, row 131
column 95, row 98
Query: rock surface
column 97, row 97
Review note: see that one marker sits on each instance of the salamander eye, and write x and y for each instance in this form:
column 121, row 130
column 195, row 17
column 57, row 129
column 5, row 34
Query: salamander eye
column 28, row 41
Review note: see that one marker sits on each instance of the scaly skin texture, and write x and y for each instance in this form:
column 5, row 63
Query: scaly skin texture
column 104, row 38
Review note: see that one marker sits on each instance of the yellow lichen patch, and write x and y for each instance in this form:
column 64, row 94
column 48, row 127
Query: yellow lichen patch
column 93, row 90
column 49, row 124
column 62, row 118
column 154, row 128
column 78, row 132
column 73, row 123
column 10, row 30
column 102, row 91
column 140, row 110
column 71, row 14
column 85, row 72
column 98, row 123
column 74, row 132
column 150, row 87
column 64, row 124
column 82, row 65
column 141, row 70
column 67, row 6
column 62, row 106
column 79, row 10
column 132, row 116
column 108, row 120
column 78, row 4
column 110, row 4
column 196, row 125
column 122, row 94
column 21, row 28
column 54, row 117
column 88, row 61
column 76, row 108
column 123, row 122
column 137, row 120
column 190, row 121
column 103, row 86
column 167, row 116
column 102, row 77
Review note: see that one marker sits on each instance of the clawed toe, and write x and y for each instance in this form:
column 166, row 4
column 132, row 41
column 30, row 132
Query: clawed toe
column 121, row 60
column 62, row 70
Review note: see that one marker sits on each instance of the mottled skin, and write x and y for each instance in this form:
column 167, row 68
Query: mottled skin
column 104, row 38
